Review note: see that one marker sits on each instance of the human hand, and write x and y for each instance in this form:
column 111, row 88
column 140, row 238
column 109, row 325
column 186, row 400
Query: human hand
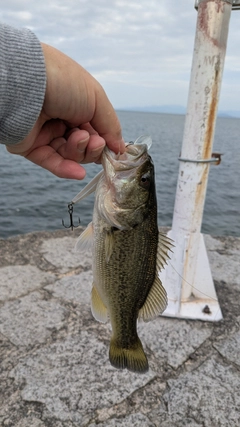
column 76, row 122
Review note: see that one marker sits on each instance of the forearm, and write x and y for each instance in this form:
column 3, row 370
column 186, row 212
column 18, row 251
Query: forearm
column 22, row 83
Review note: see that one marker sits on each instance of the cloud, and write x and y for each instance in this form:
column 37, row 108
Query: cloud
column 130, row 46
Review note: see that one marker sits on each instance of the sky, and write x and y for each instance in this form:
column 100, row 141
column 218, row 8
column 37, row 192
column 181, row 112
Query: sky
column 139, row 50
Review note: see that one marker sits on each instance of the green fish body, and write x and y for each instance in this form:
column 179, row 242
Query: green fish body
column 128, row 252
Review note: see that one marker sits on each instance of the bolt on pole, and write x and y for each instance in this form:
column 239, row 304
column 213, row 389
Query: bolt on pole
column 188, row 278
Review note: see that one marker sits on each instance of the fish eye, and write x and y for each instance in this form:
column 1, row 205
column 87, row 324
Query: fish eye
column 145, row 180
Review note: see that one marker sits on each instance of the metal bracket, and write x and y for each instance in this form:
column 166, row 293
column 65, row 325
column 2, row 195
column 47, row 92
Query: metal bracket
column 216, row 159
column 235, row 4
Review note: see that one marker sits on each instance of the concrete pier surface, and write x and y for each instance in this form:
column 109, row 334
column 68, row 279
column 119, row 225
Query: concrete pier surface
column 54, row 367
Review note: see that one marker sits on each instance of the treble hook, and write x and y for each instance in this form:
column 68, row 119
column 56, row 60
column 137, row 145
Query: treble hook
column 70, row 211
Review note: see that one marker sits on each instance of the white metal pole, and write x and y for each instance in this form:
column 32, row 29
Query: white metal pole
column 188, row 278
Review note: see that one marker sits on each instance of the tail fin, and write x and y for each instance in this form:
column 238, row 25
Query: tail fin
column 134, row 358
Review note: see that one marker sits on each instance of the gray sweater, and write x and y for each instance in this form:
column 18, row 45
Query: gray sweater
column 22, row 83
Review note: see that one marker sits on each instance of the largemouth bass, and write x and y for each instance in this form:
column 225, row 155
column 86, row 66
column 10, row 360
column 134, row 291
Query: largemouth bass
column 127, row 251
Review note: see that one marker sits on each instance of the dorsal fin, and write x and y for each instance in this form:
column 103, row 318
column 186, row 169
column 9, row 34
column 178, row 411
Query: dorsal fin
column 165, row 244
column 156, row 301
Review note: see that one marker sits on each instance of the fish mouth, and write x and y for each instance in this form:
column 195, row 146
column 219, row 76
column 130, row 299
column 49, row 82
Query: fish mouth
column 124, row 199
column 134, row 156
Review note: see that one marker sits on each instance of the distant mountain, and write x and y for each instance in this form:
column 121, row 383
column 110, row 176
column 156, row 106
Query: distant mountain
column 232, row 113
column 167, row 109
column 176, row 109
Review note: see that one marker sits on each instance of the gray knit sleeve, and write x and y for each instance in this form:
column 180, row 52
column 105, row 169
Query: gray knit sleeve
column 22, row 83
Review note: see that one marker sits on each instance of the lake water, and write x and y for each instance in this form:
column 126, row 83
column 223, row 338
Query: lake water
column 33, row 199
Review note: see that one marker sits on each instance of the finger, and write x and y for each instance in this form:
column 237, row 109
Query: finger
column 79, row 139
column 87, row 151
column 89, row 129
column 94, row 149
column 49, row 159
column 74, row 147
column 82, row 134
column 67, row 150
column 51, row 130
column 57, row 143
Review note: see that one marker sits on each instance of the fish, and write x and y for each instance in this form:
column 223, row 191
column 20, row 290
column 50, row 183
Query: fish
column 128, row 251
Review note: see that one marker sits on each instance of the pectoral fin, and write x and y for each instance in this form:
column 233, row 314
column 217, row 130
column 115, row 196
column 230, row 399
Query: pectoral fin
column 109, row 244
column 84, row 241
column 155, row 303
column 99, row 310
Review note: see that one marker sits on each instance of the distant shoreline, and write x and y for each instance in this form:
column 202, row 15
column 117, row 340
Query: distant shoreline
column 181, row 111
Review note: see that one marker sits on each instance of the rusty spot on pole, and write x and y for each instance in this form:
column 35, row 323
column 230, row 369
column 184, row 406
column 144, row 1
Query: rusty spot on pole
column 204, row 15
column 200, row 193
column 212, row 113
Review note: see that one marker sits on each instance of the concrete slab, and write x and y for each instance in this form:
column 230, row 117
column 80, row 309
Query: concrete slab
column 213, row 243
column 73, row 378
column 229, row 348
column 173, row 341
column 30, row 320
column 18, row 280
column 134, row 420
column 207, row 396
column 75, row 288
column 225, row 267
column 30, row 422
column 61, row 253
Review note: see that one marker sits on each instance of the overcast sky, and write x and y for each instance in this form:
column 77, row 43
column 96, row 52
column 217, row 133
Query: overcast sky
column 139, row 50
